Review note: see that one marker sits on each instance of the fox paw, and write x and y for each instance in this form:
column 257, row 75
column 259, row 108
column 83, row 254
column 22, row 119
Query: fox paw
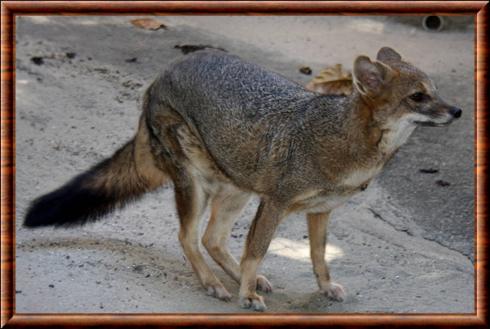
column 263, row 284
column 254, row 302
column 218, row 291
column 334, row 291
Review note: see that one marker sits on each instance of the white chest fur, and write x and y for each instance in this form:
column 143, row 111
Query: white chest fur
column 359, row 177
column 396, row 134
column 315, row 202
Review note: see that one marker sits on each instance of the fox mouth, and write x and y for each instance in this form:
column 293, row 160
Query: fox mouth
column 433, row 124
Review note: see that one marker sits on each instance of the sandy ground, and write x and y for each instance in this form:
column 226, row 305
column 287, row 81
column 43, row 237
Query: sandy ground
column 403, row 245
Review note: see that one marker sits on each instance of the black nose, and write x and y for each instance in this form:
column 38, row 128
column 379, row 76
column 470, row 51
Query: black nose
column 455, row 112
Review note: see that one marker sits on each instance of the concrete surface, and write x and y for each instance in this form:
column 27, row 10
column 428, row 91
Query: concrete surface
column 404, row 245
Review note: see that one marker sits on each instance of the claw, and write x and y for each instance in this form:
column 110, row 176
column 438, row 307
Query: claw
column 335, row 291
column 263, row 284
column 219, row 292
column 254, row 302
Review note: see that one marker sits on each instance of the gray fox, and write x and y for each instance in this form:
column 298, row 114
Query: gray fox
column 222, row 129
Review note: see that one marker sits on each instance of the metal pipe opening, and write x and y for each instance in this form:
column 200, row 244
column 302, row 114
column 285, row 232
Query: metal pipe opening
column 433, row 23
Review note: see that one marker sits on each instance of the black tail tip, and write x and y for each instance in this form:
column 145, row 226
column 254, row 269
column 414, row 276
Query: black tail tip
column 69, row 206
column 37, row 216
column 79, row 201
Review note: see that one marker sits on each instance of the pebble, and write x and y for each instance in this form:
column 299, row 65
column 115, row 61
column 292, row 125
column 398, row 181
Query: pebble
column 37, row 60
column 305, row 70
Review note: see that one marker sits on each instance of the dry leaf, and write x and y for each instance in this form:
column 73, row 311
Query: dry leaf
column 332, row 80
column 186, row 49
column 148, row 24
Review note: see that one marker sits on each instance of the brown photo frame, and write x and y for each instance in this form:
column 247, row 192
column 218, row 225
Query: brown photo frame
column 11, row 9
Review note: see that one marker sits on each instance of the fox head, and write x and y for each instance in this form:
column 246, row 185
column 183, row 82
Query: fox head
column 397, row 91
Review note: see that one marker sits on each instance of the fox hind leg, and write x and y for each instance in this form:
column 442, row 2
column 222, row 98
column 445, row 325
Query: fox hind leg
column 226, row 206
column 191, row 201
column 191, row 198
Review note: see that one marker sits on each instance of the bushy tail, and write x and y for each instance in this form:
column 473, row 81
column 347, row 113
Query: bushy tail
column 111, row 184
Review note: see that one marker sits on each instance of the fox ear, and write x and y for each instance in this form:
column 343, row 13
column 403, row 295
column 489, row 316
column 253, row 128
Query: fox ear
column 387, row 54
column 369, row 77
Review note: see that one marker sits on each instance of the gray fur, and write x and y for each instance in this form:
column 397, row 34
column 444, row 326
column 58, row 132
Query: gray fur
column 253, row 122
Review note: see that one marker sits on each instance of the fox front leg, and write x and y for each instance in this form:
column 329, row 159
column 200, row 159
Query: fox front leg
column 317, row 231
column 258, row 240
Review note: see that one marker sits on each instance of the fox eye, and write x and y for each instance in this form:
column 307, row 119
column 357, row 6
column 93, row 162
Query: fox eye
column 419, row 97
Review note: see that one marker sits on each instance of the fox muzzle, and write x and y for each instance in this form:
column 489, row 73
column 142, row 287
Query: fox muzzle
column 455, row 112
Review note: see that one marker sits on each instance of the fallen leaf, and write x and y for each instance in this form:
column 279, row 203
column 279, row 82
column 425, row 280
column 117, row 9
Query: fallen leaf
column 148, row 24
column 332, row 80
column 186, row 49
